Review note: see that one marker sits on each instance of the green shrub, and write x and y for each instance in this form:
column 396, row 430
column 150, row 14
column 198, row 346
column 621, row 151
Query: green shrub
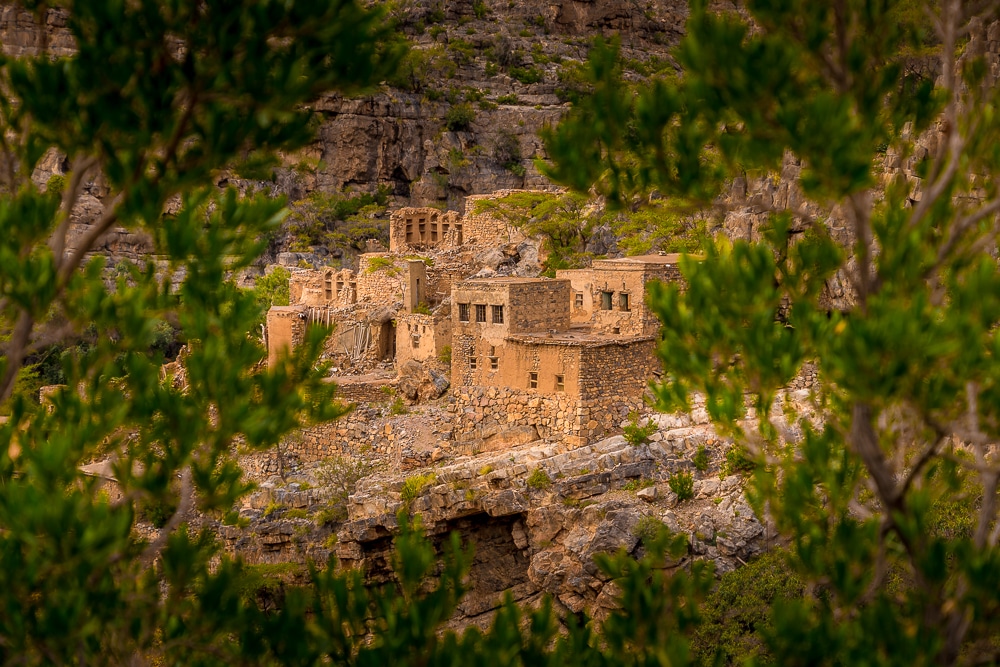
column 461, row 50
column 700, row 459
column 539, row 479
column 296, row 513
column 157, row 511
column 636, row 435
column 398, row 407
column 267, row 580
column 460, row 117
column 682, row 483
column 648, row 528
column 637, row 484
column 339, row 475
column 422, row 308
column 526, row 75
column 55, row 185
column 510, row 98
column 445, row 356
column 507, row 151
column 376, row 264
column 413, row 486
column 738, row 460
column 479, row 9
column 736, row 616
column 271, row 508
column 457, row 159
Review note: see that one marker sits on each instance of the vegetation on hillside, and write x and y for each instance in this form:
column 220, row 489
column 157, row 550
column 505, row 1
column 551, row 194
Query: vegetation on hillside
column 567, row 222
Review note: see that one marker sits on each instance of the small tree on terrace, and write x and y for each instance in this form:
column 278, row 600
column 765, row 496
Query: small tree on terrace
column 890, row 504
column 560, row 219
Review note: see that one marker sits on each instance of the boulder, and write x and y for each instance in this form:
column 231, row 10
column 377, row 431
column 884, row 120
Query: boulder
column 421, row 383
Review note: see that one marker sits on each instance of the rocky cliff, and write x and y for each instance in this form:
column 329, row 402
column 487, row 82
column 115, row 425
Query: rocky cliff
column 462, row 117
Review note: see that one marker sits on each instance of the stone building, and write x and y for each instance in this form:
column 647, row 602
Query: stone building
column 422, row 336
column 521, row 370
column 424, row 228
column 362, row 307
column 611, row 295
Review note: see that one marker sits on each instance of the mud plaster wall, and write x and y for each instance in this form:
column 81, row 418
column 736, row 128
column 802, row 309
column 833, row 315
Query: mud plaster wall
column 421, row 337
column 511, row 363
column 286, row 327
column 613, row 277
column 581, row 307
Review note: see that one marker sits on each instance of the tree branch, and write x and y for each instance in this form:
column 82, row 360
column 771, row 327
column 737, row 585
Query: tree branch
column 154, row 548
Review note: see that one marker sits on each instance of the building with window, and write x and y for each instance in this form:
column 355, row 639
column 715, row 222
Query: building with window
column 519, row 361
column 611, row 295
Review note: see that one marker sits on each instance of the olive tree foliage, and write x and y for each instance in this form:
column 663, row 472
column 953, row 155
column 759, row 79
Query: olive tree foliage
column 908, row 401
column 158, row 97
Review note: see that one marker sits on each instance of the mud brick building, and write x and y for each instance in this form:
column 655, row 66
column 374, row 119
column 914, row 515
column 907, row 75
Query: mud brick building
column 424, row 228
column 611, row 295
column 519, row 365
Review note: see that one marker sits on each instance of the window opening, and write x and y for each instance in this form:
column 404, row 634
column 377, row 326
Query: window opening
column 623, row 301
column 463, row 312
column 606, row 300
column 472, row 363
column 560, row 383
column 578, row 300
column 480, row 312
column 532, row 380
column 497, row 314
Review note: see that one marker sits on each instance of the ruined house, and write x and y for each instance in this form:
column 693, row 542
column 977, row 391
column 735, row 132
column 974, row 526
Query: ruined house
column 610, row 296
column 362, row 306
column 521, row 369
column 423, row 228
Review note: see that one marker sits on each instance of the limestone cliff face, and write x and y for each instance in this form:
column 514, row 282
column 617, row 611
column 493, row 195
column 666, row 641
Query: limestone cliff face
column 489, row 55
column 502, row 58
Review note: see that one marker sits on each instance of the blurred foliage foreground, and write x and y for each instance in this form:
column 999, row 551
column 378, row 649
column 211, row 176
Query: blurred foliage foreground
column 888, row 503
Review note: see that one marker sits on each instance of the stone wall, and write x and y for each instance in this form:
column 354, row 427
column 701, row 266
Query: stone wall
column 382, row 278
column 489, row 414
column 325, row 287
column 363, row 433
column 422, row 337
column 364, row 389
column 619, row 370
column 286, row 327
column 422, row 228
column 483, row 229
